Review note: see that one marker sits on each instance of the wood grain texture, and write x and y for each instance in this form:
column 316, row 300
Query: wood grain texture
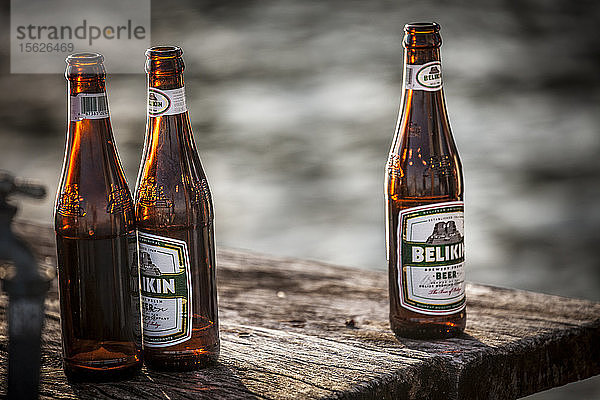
column 295, row 329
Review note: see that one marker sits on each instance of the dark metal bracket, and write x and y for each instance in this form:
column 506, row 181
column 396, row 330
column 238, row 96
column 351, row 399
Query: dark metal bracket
column 26, row 289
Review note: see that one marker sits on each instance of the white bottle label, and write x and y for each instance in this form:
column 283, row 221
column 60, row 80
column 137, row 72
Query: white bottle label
column 166, row 290
column 88, row 106
column 166, row 102
column 423, row 76
column 431, row 258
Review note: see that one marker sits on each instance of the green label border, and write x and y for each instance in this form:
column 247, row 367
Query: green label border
column 451, row 307
column 182, row 275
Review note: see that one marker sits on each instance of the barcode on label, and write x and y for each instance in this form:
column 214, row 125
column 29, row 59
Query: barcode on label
column 94, row 105
column 409, row 76
column 88, row 106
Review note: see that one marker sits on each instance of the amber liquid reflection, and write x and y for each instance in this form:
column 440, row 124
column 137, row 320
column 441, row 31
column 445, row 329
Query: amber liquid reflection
column 99, row 307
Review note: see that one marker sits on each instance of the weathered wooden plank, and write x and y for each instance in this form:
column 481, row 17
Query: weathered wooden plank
column 299, row 329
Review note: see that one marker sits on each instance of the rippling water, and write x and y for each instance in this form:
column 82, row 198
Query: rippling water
column 293, row 106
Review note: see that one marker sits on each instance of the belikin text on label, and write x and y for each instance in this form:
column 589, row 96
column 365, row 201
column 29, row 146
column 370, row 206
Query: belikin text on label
column 431, row 258
column 166, row 290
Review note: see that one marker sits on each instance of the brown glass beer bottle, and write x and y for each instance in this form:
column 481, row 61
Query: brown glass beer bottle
column 424, row 194
column 174, row 214
column 95, row 237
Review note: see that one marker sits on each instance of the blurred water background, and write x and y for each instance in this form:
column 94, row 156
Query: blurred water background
column 293, row 105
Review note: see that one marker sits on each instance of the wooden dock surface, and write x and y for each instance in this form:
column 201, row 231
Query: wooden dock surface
column 296, row 329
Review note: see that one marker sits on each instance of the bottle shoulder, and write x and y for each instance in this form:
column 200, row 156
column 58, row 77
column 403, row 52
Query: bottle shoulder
column 82, row 221
column 93, row 197
column 172, row 187
column 423, row 165
column 185, row 202
column 423, row 134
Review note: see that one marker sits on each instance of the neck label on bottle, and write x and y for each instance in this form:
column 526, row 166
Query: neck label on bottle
column 166, row 102
column 166, row 290
column 423, row 76
column 431, row 258
column 88, row 106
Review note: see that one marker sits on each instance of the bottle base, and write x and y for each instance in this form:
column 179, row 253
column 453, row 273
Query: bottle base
column 86, row 373
column 433, row 332
column 426, row 330
column 180, row 362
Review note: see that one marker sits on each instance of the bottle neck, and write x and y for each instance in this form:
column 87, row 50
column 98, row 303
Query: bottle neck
column 423, row 107
column 85, row 73
column 168, row 128
column 421, row 55
column 85, row 84
column 165, row 81
column 422, row 83
column 165, row 66
column 90, row 142
column 422, row 72
column 169, row 139
column 422, row 63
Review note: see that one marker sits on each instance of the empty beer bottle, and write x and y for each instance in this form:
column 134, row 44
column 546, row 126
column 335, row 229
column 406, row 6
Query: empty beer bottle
column 95, row 237
column 424, row 193
column 175, row 228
